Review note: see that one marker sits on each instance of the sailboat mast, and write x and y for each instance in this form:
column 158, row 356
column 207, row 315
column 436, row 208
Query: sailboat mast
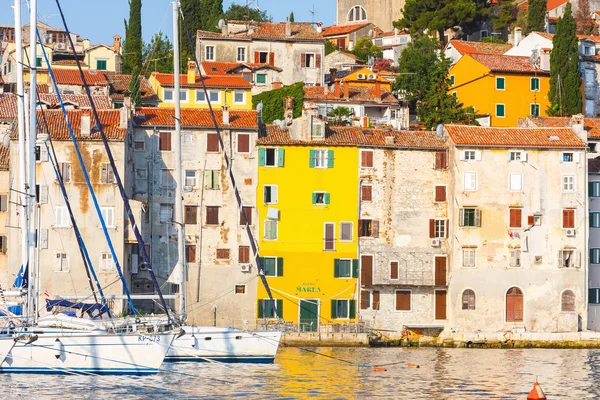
column 178, row 219
column 31, row 151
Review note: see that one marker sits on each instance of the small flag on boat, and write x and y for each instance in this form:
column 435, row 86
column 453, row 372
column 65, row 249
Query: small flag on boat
column 46, row 293
column 21, row 280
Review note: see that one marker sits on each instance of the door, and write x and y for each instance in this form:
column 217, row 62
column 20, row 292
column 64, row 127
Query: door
column 514, row 305
column 440, row 271
column 309, row 315
column 440, row 304
column 366, row 270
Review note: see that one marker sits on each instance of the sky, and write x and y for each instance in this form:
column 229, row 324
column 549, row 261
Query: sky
column 100, row 20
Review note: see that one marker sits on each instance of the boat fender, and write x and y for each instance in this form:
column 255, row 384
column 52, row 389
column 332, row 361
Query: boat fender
column 194, row 340
column 11, row 325
column 379, row 369
column 57, row 348
column 536, row 393
column 180, row 334
column 410, row 365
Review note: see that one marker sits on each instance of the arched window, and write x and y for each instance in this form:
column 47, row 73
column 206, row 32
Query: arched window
column 357, row 13
column 567, row 301
column 514, row 305
column 468, row 300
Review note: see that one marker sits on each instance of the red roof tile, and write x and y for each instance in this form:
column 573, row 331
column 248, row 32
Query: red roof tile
column 552, row 4
column 152, row 116
column 213, row 81
column 591, row 125
column 228, row 68
column 301, row 31
column 72, row 77
column 81, row 100
column 357, row 94
column 466, row 47
column 119, row 84
column 8, row 106
column 477, row 136
column 550, row 36
column 334, row 30
column 4, row 158
column 510, row 64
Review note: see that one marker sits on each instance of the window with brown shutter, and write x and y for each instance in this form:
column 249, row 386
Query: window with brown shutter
column 364, row 296
column 243, row 143
column 432, row 228
column 248, row 212
column 212, row 143
column 375, row 303
column 441, row 160
column 403, row 300
column 393, row 269
column 318, row 61
column 530, row 220
column 568, row 219
column 190, row 253
column 212, row 215
column 366, row 193
column 256, row 57
column 164, row 140
column 516, row 218
column 302, row 60
column 366, row 159
column 222, row 254
column 191, row 215
column 244, row 254
column 440, row 193
column 272, row 59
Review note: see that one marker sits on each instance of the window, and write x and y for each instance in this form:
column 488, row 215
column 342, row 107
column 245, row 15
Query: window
column 309, row 60
column 190, row 253
column 106, row 262
column 368, row 228
column 271, row 157
column 343, row 268
column 212, row 179
column 164, row 141
column 241, row 54
column 515, row 218
column 346, row 231
column 365, row 300
column 214, row 96
column 568, row 183
column 240, row 289
column 246, row 211
column 108, row 175
column 595, row 256
column 270, row 194
column 534, row 110
column 244, row 254
column 514, row 258
column 212, row 143
column 200, row 96
column 403, row 300
column 451, row 80
column 437, row 228
column 321, row 198
column 166, row 213
column 223, row 254
column 517, row 156
column 470, row 181
column 343, row 309
column 261, row 78
column 271, row 232
column 357, row 13
column 65, row 171
column 394, row 269
column 168, row 95
column 594, row 189
column 139, row 145
column 190, row 178
column 594, row 219
column 167, row 180
column 566, row 259
column 108, row 215
column 500, row 83
column 319, row 158
column 190, row 215
column 243, row 143
column 568, row 219
column 567, row 157
column 329, row 240
column 239, row 97
column 210, row 53
column 534, row 85
column 38, row 62
column 468, row 300
column 469, row 217
column 266, row 308
column 441, row 160
column 500, row 110
column 366, row 159
column 41, row 153
column 514, row 305
column 567, row 301
column 272, row 266
column 61, row 262
column 212, row 215
column 62, row 217
column 468, row 256
column 3, row 244
column 440, row 193
column 263, row 57
column 469, row 155
column 3, row 202
column 594, row 296
column 101, row 65
column 366, row 193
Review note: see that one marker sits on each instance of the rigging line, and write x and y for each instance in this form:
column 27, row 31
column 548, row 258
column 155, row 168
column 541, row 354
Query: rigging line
column 138, row 236
column 86, row 175
column 223, row 294
column 228, row 165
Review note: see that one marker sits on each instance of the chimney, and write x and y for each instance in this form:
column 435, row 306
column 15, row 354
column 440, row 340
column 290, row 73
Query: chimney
column 117, row 43
column 288, row 28
column 319, row 27
column 191, row 74
column 125, row 112
column 85, row 125
column 225, row 114
column 378, row 90
column 545, row 59
column 337, row 92
column 288, row 107
column 346, row 90
column 518, row 36
column 578, row 126
column 224, row 29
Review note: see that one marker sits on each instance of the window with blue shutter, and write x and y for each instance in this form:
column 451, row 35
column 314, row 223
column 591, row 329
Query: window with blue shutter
column 330, row 159
column 280, row 157
column 595, row 256
column 594, row 189
column 261, row 156
column 311, row 161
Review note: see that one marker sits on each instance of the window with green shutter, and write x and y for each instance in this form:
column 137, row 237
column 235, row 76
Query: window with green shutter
column 595, row 256
column 534, row 110
column 500, row 110
column 594, row 189
column 261, row 78
column 266, row 308
column 101, row 65
column 344, row 268
column 535, row 84
column 269, row 265
column 595, row 220
column 330, row 158
column 38, row 62
column 343, row 309
column 321, row 198
column 270, row 157
column 500, row 83
column 451, row 80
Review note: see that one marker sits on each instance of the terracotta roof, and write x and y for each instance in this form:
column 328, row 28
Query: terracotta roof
column 357, row 94
column 268, row 30
column 334, row 30
column 214, row 81
column 466, row 47
column 41, row 87
column 463, row 135
column 153, row 116
column 591, row 125
column 511, row 64
column 4, row 158
column 550, row 36
column 119, row 84
column 8, row 106
column 81, row 100
column 72, row 77
column 552, row 4
column 350, row 136
column 594, row 165
column 228, row 68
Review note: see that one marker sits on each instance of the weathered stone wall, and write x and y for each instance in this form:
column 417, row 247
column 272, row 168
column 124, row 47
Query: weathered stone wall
column 382, row 13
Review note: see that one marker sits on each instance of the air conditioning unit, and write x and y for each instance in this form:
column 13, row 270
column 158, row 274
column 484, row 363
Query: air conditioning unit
column 60, row 46
column 372, row 77
column 435, row 242
column 246, row 267
column 188, row 188
column 570, row 232
column 361, row 77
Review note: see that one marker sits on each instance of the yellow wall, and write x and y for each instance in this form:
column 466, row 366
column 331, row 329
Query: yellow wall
column 225, row 97
column 354, row 81
column 475, row 86
column 308, row 269
column 103, row 53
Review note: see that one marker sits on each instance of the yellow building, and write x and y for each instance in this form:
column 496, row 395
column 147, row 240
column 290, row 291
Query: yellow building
column 505, row 87
column 233, row 90
column 366, row 77
column 307, row 199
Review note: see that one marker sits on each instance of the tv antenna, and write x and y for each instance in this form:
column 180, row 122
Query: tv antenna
column 313, row 12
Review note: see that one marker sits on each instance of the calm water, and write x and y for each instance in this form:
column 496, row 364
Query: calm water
column 444, row 374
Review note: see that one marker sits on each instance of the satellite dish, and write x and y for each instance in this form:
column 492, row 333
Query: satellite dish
column 259, row 107
column 370, row 32
column 221, row 23
column 440, row 131
column 5, row 140
column 282, row 124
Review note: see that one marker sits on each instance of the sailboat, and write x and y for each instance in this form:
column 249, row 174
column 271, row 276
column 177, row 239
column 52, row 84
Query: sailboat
column 62, row 344
column 208, row 343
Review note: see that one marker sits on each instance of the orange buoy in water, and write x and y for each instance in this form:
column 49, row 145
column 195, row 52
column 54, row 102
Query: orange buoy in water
column 378, row 369
column 536, row 393
column 410, row 365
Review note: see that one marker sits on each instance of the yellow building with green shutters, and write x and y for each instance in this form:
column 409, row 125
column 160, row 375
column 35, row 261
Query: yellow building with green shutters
column 307, row 202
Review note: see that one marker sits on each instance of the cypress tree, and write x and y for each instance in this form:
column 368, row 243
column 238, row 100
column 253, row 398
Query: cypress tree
column 536, row 16
column 292, row 17
column 134, row 87
column 565, row 80
column 133, row 38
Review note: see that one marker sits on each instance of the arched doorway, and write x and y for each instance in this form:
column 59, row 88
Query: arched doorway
column 514, row 305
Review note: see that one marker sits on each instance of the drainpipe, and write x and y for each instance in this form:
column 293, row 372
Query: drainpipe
column 358, row 253
column 585, row 239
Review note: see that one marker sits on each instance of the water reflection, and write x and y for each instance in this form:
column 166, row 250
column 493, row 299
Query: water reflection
column 443, row 374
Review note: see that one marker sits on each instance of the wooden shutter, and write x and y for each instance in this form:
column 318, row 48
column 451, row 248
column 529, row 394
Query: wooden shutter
column 363, row 299
column 3, row 202
column 190, row 253
column 394, row 270
column 351, row 309
column 333, row 309
column 375, row 228
column 44, row 238
column 43, row 194
column 336, row 268
column 191, row 215
column 366, row 159
column 261, row 157
column 261, row 309
column 279, row 266
column 272, row 59
column 279, row 304
column 440, row 193
column 477, row 217
column 212, row 215
column 330, row 158
column 515, row 218
column 248, row 212
column 568, row 218
column 318, row 61
column 243, row 143
column 165, row 141
column 403, row 300
column 375, row 300
column 360, row 228
column 355, row 268
column 367, row 193
column 329, row 236
column 440, row 271
column 244, row 254
column 302, row 60
column 212, row 143
column 441, row 160
column 530, row 220
column 280, row 156
column 432, row 228
column 366, row 270
column 256, row 57
column 312, row 158
column 461, row 217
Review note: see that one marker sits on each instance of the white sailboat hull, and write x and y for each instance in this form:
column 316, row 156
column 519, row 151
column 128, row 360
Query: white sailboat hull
column 224, row 345
column 61, row 351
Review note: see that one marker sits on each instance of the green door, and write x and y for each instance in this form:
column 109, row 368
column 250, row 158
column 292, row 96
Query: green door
column 309, row 315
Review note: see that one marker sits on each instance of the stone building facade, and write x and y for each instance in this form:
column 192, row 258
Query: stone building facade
column 382, row 13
